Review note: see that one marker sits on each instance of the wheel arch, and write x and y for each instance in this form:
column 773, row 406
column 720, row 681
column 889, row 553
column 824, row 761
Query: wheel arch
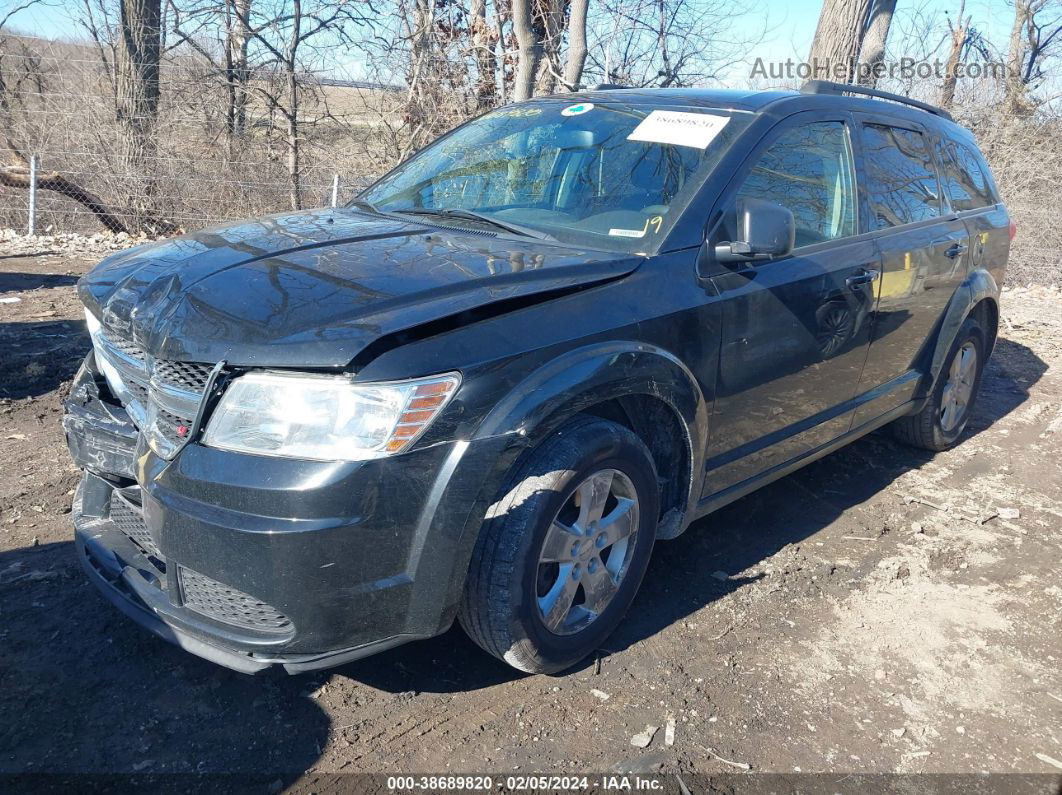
column 977, row 296
column 640, row 386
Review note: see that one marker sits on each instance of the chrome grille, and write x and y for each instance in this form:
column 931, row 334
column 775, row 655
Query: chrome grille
column 129, row 519
column 123, row 346
column 182, row 375
column 228, row 605
column 161, row 396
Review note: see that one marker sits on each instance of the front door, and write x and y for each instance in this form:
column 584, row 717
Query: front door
column 795, row 330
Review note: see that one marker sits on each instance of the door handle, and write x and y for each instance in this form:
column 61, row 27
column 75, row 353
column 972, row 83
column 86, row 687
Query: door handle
column 956, row 250
column 864, row 276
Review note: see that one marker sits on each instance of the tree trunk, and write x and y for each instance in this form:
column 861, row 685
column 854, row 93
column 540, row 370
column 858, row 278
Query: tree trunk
column 529, row 50
column 573, row 68
column 1016, row 55
column 548, row 20
column 294, row 155
column 667, row 73
column 484, row 37
column 959, row 32
column 137, row 98
column 292, row 115
column 420, row 71
column 838, row 38
column 872, row 52
column 236, row 72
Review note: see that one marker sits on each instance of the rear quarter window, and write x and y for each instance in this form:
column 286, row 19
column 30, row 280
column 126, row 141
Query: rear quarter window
column 965, row 182
column 901, row 179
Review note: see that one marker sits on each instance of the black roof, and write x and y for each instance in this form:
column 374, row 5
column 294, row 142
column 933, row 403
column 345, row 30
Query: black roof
column 689, row 97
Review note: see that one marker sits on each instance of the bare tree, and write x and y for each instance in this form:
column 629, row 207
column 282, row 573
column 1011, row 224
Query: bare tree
column 1035, row 34
column 137, row 94
column 484, row 37
column 237, row 73
column 285, row 32
column 839, row 35
column 193, row 26
column 666, row 42
column 27, row 77
column 960, row 31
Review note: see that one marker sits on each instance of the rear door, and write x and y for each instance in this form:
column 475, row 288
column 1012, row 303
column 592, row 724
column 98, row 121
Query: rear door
column 969, row 190
column 795, row 329
column 924, row 255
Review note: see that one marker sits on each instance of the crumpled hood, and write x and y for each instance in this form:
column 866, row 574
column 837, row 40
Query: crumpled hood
column 314, row 288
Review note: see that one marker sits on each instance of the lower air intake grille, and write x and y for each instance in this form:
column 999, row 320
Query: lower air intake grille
column 222, row 603
column 130, row 520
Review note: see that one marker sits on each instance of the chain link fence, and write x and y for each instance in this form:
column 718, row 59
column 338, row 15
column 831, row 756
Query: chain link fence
column 57, row 112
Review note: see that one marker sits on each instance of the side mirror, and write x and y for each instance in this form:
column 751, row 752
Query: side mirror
column 764, row 229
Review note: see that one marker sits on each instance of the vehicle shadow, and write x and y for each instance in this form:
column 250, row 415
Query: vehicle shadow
column 680, row 578
column 39, row 356
column 87, row 691
column 18, row 282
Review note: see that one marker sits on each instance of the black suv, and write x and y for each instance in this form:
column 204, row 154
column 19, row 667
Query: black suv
column 482, row 390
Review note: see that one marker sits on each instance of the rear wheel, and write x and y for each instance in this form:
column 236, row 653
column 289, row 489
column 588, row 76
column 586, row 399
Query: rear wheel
column 941, row 422
column 563, row 551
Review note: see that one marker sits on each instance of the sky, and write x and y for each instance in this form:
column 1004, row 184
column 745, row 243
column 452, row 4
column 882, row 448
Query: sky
column 789, row 26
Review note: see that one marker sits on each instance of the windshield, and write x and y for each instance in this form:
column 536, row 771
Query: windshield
column 612, row 176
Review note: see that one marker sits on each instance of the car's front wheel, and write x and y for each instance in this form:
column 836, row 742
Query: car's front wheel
column 564, row 548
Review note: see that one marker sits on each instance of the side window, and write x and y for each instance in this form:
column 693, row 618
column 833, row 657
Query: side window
column 971, row 165
column 901, row 180
column 964, row 181
column 808, row 170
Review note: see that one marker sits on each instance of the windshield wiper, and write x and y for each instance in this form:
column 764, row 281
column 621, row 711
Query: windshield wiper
column 361, row 204
column 472, row 215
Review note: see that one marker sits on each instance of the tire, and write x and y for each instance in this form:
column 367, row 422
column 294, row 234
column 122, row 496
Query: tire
column 933, row 428
column 505, row 607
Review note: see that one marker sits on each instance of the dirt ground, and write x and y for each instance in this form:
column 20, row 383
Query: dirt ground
column 882, row 610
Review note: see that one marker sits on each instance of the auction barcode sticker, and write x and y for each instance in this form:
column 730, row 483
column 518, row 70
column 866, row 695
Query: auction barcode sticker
column 679, row 129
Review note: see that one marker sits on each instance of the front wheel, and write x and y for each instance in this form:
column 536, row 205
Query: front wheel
column 941, row 422
column 563, row 550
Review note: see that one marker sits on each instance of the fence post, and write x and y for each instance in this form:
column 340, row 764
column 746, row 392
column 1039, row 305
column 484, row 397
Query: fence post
column 32, row 226
column 335, row 189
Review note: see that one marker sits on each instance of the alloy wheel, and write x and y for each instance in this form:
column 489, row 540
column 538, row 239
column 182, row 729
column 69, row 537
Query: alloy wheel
column 586, row 552
column 959, row 387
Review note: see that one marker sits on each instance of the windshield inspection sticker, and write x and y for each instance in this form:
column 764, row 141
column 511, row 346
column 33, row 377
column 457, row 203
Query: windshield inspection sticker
column 656, row 220
column 578, row 110
column 679, row 129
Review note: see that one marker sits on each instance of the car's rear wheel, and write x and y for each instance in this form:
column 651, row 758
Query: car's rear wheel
column 941, row 422
column 564, row 548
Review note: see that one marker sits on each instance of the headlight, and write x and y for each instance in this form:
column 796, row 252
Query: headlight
column 325, row 418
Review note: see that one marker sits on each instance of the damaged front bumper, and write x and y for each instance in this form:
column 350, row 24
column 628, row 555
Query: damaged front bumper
column 254, row 562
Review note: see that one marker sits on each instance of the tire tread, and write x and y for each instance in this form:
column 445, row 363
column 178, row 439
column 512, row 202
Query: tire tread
column 486, row 606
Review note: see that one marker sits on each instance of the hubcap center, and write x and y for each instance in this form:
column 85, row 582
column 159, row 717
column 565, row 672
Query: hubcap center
column 582, row 550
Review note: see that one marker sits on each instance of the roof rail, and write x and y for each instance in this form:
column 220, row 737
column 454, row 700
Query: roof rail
column 826, row 87
column 606, row 87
